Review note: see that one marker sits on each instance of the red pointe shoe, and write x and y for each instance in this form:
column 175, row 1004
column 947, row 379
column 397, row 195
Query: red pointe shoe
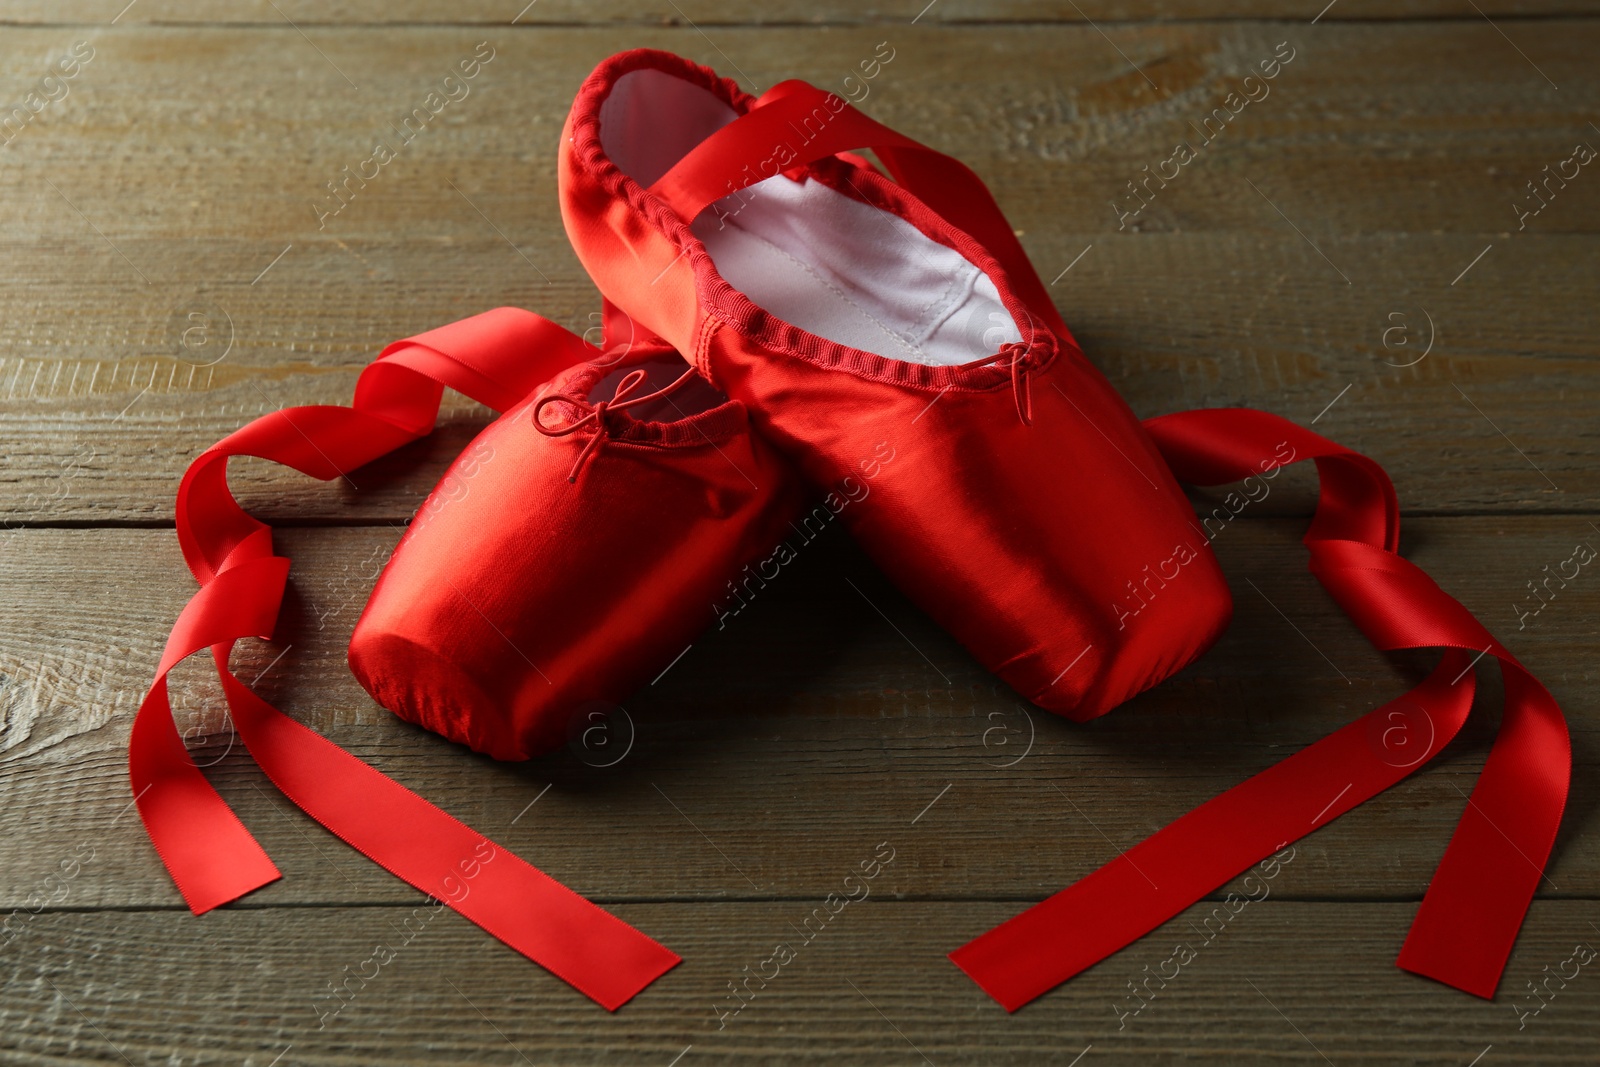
column 1025, row 508
column 570, row 554
column 594, row 539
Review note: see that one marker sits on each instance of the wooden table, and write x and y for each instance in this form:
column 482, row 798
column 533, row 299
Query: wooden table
column 1349, row 253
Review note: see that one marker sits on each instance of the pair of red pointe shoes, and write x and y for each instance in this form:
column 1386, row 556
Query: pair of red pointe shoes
column 1022, row 504
column 784, row 320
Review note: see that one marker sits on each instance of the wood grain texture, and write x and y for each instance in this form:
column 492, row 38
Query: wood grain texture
column 1282, row 983
column 97, row 437
column 722, row 13
column 1396, row 151
column 807, row 722
column 1363, row 213
column 1444, row 123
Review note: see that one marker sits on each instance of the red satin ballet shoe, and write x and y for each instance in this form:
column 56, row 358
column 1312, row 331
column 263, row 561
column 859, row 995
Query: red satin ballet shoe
column 570, row 554
column 626, row 471
column 1025, row 508
column 1043, row 527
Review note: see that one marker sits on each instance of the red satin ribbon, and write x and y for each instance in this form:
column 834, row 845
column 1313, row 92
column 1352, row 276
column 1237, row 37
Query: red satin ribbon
column 496, row 358
column 1474, row 907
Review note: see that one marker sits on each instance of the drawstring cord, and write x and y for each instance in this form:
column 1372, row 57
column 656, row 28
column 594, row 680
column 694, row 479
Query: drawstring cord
column 1014, row 353
column 596, row 412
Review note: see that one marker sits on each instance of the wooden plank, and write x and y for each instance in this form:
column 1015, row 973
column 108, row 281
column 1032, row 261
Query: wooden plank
column 1216, row 300
column 1468, row 429
column 1445, row 120
column 804, row 720
column 1282, row 982
column 164, row 276
column 312, row 13
column 1495, row 417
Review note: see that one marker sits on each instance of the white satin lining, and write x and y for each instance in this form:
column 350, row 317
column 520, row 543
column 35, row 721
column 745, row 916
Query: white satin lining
column 825, row 262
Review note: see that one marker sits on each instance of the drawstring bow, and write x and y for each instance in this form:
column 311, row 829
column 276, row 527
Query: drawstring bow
column 595, row 411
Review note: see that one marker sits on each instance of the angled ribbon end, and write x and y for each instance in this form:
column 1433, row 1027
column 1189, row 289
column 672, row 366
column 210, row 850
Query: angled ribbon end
column 1480, row 982
column 642, row 974
column 242, row 879
column 991, row 980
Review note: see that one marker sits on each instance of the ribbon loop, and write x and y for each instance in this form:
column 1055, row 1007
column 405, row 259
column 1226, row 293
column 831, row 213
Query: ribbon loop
column 497, row 358
column 1475, row 904
column 595, row 412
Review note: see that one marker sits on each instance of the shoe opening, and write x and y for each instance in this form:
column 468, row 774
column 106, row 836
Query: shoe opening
column 842, row 269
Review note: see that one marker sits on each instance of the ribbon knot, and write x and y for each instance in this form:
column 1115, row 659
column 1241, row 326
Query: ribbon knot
column 594, row 412
column 1014, row 356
